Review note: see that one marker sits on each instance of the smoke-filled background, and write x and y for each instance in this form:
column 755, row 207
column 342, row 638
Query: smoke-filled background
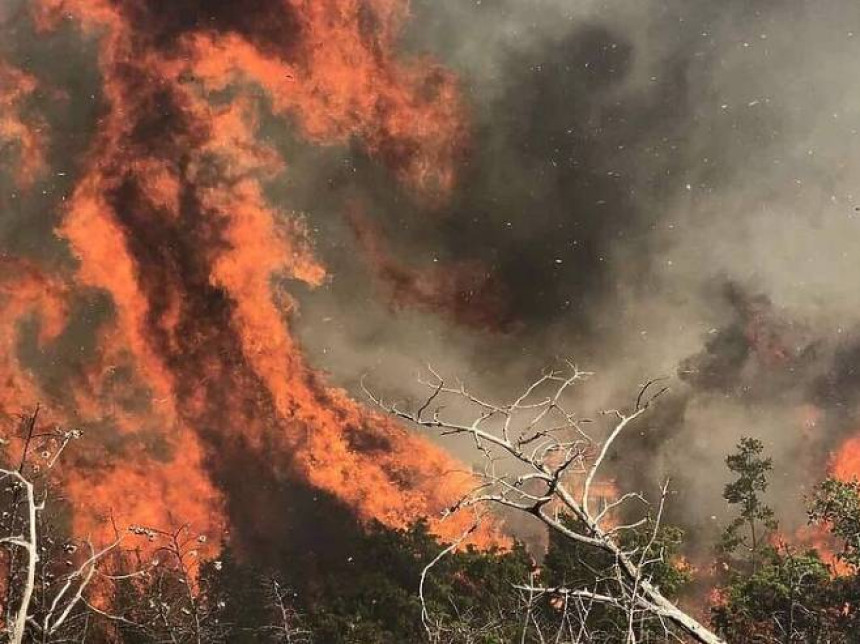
column 217, row 217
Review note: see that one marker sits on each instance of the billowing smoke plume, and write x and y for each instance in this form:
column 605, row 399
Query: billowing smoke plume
column 658, row 189
column 211, row 203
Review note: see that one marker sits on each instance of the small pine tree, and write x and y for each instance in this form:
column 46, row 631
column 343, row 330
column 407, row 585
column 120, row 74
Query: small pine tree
column 755, row 522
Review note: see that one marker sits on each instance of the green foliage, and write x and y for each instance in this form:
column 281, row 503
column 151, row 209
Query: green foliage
column 375, row 597
column 789, row 598
column 372, row 596
column 571, row 564
column 574, row 565
column 755, row 522
column 836, row 504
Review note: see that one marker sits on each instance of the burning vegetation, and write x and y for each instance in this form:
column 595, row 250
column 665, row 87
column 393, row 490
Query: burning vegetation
column 197, row 373
column 191, row 191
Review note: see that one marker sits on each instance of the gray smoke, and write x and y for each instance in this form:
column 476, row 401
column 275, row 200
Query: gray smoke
column 663, row 188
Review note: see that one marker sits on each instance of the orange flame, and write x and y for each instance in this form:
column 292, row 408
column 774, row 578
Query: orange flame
column 169, row 218
column 845, row 464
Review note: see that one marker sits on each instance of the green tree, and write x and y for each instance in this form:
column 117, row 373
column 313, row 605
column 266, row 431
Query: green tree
column 836, row 505
column 790, row 598
column 569, row 564
column 371, row 597
column 755, row 522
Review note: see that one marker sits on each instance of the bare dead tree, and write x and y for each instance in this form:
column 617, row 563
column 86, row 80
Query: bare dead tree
column 47, row 578
column 465, row 628
column 28, row 542
column 57, row 588
column 538, row 459
column 171, row 603
column 288, row 628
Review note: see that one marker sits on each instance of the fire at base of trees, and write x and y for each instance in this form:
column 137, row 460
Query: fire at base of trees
column 612, row 571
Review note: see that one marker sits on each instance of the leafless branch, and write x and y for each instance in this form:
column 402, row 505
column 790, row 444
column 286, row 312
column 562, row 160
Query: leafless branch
column 538, row 459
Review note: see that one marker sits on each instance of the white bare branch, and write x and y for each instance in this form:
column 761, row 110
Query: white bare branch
column 540, row 461
column 30, row 544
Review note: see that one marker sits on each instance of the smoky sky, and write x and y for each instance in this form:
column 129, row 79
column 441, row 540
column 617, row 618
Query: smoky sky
column 664, row 189
column 652, row 188
column 582, row 139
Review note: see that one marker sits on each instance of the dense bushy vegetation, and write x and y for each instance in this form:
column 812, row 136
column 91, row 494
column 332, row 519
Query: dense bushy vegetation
column 363, row 584
column 773, row 591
